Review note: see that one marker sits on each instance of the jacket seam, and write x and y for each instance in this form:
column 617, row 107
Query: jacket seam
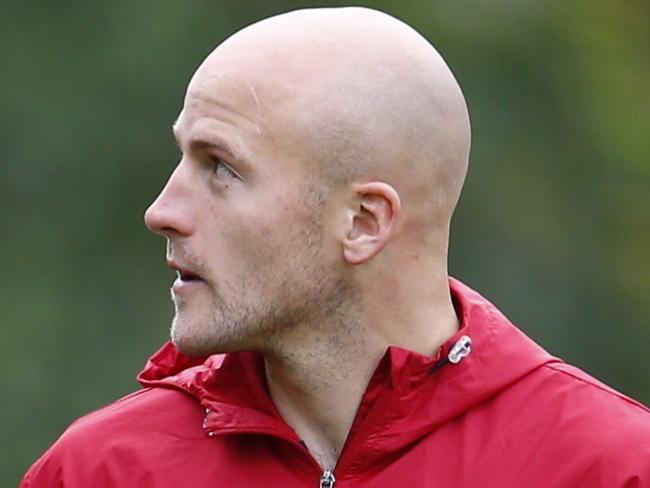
column 610, row 392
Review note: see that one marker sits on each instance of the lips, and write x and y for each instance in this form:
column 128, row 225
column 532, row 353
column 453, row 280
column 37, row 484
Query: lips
column 187, row 275
column 184, row 273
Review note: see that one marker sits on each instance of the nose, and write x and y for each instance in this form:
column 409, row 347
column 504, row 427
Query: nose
column 170, row 214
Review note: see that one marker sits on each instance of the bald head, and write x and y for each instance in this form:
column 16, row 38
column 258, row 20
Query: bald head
column 323, row 152
column 357, row 93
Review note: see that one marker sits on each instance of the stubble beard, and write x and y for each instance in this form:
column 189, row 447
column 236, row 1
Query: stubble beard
column 296, row 287
column 259, row 312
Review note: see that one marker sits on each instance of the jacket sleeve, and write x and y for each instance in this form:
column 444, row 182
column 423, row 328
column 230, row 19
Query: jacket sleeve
column 622, row 464
column 68, row 463
column 42, row 474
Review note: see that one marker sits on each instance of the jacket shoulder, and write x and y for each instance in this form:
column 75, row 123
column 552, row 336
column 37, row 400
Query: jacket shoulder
column 578, row 417
column 605, row 413
column 587, row 384
column 113, row 440
column 593, row 402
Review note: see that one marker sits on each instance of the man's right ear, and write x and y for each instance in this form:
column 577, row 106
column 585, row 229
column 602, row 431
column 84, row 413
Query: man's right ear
column 372, row 221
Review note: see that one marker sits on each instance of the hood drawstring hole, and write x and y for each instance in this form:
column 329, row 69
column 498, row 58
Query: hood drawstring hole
column 461, row 349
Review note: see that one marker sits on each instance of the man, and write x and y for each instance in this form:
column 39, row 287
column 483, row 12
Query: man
column 317, row 338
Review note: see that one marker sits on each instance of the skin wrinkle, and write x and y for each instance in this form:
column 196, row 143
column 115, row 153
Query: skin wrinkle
column 257, row 104
column 347, row 115
column 235, row 115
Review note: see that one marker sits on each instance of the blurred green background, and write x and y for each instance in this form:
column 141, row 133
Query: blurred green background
column 553, row 225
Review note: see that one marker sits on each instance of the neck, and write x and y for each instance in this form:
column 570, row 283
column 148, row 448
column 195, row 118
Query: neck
column 318, row 377
column 317, row 385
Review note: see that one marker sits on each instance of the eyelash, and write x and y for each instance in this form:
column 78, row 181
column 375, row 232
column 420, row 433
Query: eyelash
column 218, row 163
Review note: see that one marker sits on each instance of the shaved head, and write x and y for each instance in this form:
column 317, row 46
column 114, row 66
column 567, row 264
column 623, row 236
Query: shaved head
column 361, row 95
column 323, row 153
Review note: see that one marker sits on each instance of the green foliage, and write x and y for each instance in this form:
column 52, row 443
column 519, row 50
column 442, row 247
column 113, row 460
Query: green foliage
column 553, row 225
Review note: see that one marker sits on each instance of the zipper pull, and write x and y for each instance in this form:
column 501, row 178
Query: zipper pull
column 327, row 480
column 461, row 349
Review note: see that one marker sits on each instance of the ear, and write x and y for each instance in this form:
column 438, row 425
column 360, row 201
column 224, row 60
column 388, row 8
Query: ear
column 373, row 221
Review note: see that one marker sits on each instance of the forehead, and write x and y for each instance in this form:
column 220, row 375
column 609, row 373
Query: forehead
column 220, row 96
column 266, row 75
column 263, row 111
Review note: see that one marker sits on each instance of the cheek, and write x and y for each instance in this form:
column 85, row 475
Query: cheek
column 254, row 229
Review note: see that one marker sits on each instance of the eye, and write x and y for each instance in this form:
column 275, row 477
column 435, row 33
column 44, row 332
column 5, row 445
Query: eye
column 222, row 170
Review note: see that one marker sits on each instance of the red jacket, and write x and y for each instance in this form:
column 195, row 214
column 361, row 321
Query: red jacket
column 507, row 414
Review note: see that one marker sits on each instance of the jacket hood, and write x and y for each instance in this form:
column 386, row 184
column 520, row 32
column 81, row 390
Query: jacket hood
column 409, row 396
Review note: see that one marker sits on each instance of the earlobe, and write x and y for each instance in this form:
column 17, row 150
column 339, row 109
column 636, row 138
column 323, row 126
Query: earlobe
column 373, row 221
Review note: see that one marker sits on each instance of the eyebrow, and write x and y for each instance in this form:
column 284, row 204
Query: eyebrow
column 202, row 143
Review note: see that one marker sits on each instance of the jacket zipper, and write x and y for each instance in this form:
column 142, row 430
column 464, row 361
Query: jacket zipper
column 327, row 480
column 461, row 349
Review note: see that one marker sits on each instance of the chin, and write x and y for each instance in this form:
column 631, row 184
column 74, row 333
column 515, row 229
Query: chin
column 193, row 338
column 188, row 340
column 189, row 349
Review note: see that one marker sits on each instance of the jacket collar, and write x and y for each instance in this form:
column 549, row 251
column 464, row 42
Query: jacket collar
column 404, row 401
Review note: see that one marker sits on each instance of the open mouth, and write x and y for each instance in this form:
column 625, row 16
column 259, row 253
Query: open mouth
column 187, row 275
column 184, row 275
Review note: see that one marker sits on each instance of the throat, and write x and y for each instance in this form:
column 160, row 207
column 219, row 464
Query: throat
column 327, row 458
column 318, row 393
